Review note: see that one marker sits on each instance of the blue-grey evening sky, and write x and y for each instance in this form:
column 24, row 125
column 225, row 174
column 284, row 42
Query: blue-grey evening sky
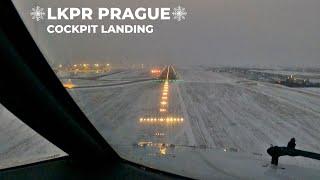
column 239, row 32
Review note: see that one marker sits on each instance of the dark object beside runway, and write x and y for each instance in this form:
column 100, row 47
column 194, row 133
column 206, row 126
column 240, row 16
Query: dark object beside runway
column 275, row 152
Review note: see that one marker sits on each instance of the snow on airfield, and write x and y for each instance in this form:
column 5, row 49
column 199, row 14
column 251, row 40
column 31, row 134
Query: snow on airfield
column 220, row 111
column 288, row 73
column 251, row 116
column 20, row 145
column 261, row 113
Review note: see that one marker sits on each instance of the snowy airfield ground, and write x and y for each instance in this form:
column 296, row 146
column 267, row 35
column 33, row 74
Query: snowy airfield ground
column 228, row 123
column 20, row 145
column 221, row 113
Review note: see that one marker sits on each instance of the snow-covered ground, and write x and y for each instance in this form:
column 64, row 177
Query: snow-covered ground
column 311, row 90
column 113, row 78
column 288, row 73
column 228, row 123
column 251, row 116
column 20, row 145
column 221, row 113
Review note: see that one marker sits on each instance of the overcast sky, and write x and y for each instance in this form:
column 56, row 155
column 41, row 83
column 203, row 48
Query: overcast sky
column 239, row 32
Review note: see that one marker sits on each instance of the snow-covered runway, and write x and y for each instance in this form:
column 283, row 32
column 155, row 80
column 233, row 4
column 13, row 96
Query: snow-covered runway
column 222, row 114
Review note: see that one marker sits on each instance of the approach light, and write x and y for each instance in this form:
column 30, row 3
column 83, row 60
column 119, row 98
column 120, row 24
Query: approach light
column 164, row 102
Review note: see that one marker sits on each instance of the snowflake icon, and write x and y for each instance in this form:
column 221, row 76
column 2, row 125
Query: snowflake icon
column 179, row 13
column 37, row 13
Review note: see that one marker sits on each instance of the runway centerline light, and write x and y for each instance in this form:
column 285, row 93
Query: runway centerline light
column 163, row 102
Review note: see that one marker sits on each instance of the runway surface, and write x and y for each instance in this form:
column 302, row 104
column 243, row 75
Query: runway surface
column 219, row 112
column 204, row 112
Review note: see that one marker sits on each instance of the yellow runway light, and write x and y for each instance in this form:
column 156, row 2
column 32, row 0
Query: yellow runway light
column 69, row 84
column 164, row 102
column 154, row 120
column 163, row 150
column 159, row 134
